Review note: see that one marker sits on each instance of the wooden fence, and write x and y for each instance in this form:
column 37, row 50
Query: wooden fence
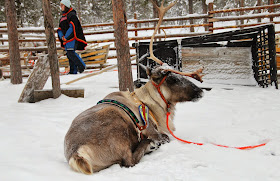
column 211, row 22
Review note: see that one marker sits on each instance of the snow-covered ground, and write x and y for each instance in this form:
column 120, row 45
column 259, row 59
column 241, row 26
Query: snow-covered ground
column 32, row 135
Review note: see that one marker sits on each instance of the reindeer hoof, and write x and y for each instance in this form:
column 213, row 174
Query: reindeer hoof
column 153, row 146
column 165, row 139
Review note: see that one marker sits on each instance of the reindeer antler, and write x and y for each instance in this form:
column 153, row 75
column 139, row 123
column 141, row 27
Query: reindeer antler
column 196, row 74
column 161, row 11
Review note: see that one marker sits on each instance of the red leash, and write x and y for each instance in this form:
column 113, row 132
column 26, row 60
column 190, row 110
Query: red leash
column 157, row 86
column 189, row 142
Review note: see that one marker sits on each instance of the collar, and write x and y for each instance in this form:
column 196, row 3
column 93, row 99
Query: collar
column 65, row 14
column 137, row 100
column 130, row 113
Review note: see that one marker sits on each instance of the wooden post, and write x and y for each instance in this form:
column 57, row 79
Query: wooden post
column 211, row 15
column 241, row 5
column 122, row 46
column 36, row 80
column 15, row 67
column 135, row 26
column 271, row 10
column 51, row 43
column 204, row 9
column 191, row 12
column 1, row 74
column 259, row 11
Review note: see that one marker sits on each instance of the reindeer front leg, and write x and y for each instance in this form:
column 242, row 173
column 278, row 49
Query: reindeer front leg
column 131, row 158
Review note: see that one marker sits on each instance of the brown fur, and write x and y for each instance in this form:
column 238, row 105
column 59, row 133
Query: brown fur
column 105, row 135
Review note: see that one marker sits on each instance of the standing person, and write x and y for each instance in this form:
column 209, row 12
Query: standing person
column 71, row 36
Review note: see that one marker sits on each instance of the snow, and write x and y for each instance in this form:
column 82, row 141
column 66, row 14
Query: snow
column 32, row 135
column 209, row 1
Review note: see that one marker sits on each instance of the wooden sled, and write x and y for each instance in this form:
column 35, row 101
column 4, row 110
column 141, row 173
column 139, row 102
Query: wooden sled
column 92, row 55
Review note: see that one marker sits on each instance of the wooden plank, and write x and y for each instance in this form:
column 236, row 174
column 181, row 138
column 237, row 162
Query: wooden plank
column 96, row 62
column 254, row 16
column 87, row 54
column 95, row 57
column 92, row 74
column 246, row 8
column 36, row 80
column 40, row 95
column 89, row 58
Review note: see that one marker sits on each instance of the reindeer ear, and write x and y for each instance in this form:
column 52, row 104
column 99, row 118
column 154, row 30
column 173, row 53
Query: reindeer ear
column 164, row 72
column 146, row 68
column 149, row 71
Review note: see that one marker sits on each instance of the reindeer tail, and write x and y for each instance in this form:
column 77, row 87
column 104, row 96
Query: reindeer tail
column 80, row 162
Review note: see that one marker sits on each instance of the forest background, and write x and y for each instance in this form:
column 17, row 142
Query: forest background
column 30, row 12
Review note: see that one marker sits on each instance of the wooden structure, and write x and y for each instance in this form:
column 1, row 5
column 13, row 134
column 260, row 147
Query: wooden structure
column 260, row 40
column 36, row 80
column 33, row 90
column 92, row 55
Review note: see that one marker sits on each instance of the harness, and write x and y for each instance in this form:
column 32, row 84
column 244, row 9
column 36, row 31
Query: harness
column 143, row 111
column 160, row 93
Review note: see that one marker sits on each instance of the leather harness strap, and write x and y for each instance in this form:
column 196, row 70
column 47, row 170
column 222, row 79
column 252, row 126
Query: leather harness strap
column 157, row 86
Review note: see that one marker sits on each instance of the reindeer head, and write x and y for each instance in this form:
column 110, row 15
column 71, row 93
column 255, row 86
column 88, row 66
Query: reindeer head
column 174, row 87
column 174, row 84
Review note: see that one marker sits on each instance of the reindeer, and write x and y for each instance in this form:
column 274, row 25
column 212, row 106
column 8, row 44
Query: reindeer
column 115, row 132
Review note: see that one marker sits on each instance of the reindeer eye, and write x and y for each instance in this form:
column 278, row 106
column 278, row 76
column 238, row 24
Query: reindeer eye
column 171, row 80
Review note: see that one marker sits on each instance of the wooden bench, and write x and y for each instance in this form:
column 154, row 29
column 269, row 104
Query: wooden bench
column 92, row 55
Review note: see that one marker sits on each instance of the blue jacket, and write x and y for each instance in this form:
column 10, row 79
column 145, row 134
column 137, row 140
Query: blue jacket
column 71, row 44
column 70, row 27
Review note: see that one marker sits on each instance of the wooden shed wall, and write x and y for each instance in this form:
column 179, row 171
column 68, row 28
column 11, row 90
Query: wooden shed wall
column 231, row 65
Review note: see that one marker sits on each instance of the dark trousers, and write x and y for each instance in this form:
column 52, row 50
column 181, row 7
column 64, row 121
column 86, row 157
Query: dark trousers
column 75, row 61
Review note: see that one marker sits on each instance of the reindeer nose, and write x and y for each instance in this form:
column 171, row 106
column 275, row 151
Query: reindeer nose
column 198, row 94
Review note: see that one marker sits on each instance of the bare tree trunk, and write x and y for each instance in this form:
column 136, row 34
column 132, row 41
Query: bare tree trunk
column 155, row 11
column 51, row 43
column 19, row 11
column 205, row 10
column 259, row 11
column 241, row 5
column 15, row 67
column 155, row 14
column 79, row 11
column 271, row 10
column 122, row 46
column 191, row 12
column 210, row 8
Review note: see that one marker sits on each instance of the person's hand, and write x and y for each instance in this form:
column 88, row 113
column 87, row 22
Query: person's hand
column 63, row 39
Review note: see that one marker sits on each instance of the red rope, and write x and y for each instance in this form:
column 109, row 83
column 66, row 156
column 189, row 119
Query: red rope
column 189, row 142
